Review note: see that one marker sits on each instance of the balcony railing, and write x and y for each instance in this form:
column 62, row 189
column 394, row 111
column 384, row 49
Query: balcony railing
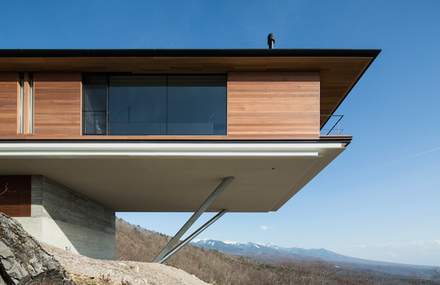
column 332, row 127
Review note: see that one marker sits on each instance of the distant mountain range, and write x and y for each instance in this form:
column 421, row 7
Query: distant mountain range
column 273, row 254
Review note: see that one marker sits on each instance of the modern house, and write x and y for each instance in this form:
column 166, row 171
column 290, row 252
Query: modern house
column 85, row 133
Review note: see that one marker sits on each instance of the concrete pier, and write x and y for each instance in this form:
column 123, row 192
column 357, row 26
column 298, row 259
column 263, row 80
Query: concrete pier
column 66, row 219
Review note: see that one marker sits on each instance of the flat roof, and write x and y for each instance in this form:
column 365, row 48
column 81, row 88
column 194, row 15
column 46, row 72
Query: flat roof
column 340, row 69
column 189, row 52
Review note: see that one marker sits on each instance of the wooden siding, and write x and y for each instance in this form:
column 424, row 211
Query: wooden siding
column 273, row 105
column 16, row 201
column 57, row 103
column 26, row 103
column 9, row 89
column 261, row 106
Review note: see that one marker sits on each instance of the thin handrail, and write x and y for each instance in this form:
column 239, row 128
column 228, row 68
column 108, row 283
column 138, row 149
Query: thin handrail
column 336, row 124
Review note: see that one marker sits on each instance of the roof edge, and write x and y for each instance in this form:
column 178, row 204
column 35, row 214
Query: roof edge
column 189, row 52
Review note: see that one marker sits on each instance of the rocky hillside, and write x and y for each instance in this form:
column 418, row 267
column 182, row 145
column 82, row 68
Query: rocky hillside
column 89, row 271
column 136, row 247
column 23, row 260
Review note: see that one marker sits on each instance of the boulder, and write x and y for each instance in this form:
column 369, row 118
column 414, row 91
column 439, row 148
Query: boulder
column 23, row 260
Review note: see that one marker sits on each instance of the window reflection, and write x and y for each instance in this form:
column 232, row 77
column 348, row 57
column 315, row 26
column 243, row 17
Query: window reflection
column 95, row 105
column 137, row 105
column 196, row 110
column 155, row 105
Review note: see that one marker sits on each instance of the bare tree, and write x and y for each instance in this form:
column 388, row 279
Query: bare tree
column 436, row 274
column 4, row 191
column 416, row 278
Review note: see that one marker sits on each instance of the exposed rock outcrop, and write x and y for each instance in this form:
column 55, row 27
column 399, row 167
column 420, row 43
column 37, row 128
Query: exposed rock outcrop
column 85, row 270
column 23, row 260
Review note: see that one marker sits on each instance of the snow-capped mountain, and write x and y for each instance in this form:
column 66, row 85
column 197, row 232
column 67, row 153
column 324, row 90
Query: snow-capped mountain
column 250, row 248
column 273, row 254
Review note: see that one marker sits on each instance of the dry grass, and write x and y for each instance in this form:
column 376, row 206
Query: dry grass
column 102, row 280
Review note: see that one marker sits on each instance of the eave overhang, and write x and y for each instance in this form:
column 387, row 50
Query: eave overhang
column 339, row 69
column 175, row 177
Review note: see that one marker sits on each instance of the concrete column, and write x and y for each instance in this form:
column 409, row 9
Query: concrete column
column 64, row 218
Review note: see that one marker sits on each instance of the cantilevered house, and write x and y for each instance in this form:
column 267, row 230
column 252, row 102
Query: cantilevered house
column 85, row 133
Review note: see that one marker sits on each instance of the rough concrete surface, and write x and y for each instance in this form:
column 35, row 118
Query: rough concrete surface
column 63, row 217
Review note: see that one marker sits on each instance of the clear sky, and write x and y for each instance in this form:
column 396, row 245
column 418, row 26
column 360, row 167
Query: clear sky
column 379, row 199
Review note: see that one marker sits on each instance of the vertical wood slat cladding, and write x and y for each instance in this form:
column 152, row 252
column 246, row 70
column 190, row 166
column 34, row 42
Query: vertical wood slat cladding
column 57, row 103
column 9, row 88
column 16, row 201
column 26, row 102
column 273, row 105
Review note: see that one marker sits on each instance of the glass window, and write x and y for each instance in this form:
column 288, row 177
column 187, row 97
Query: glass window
column 196, row 105
column 137, row 105
column 155, row 105
column 95, row 105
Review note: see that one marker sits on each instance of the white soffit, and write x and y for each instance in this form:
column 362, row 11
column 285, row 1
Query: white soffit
column 55, row 150
column 174, row 177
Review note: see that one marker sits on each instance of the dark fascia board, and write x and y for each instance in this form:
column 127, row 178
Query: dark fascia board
column 189, row 52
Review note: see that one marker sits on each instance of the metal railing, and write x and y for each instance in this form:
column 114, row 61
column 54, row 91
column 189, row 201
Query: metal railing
column 334, row 125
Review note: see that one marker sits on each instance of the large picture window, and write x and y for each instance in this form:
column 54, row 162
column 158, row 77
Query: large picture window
column 154, row 104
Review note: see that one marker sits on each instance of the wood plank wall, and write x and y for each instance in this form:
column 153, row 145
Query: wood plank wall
column 261, row 106
column 273, row 105
column 57, row 103
column 9, row 89
column 16, row 201
column 26, row 103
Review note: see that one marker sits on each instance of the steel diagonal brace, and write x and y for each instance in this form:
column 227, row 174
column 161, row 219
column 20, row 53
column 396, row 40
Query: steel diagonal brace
column 193, row 218
column 192, row 236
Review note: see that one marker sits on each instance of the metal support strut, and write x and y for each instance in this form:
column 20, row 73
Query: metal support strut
column 192, row 236
column 166, row 251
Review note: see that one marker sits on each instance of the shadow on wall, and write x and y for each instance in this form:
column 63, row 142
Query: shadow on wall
column 70, row 219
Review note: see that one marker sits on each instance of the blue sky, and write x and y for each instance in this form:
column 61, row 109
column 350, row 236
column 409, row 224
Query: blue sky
column 380, row 198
